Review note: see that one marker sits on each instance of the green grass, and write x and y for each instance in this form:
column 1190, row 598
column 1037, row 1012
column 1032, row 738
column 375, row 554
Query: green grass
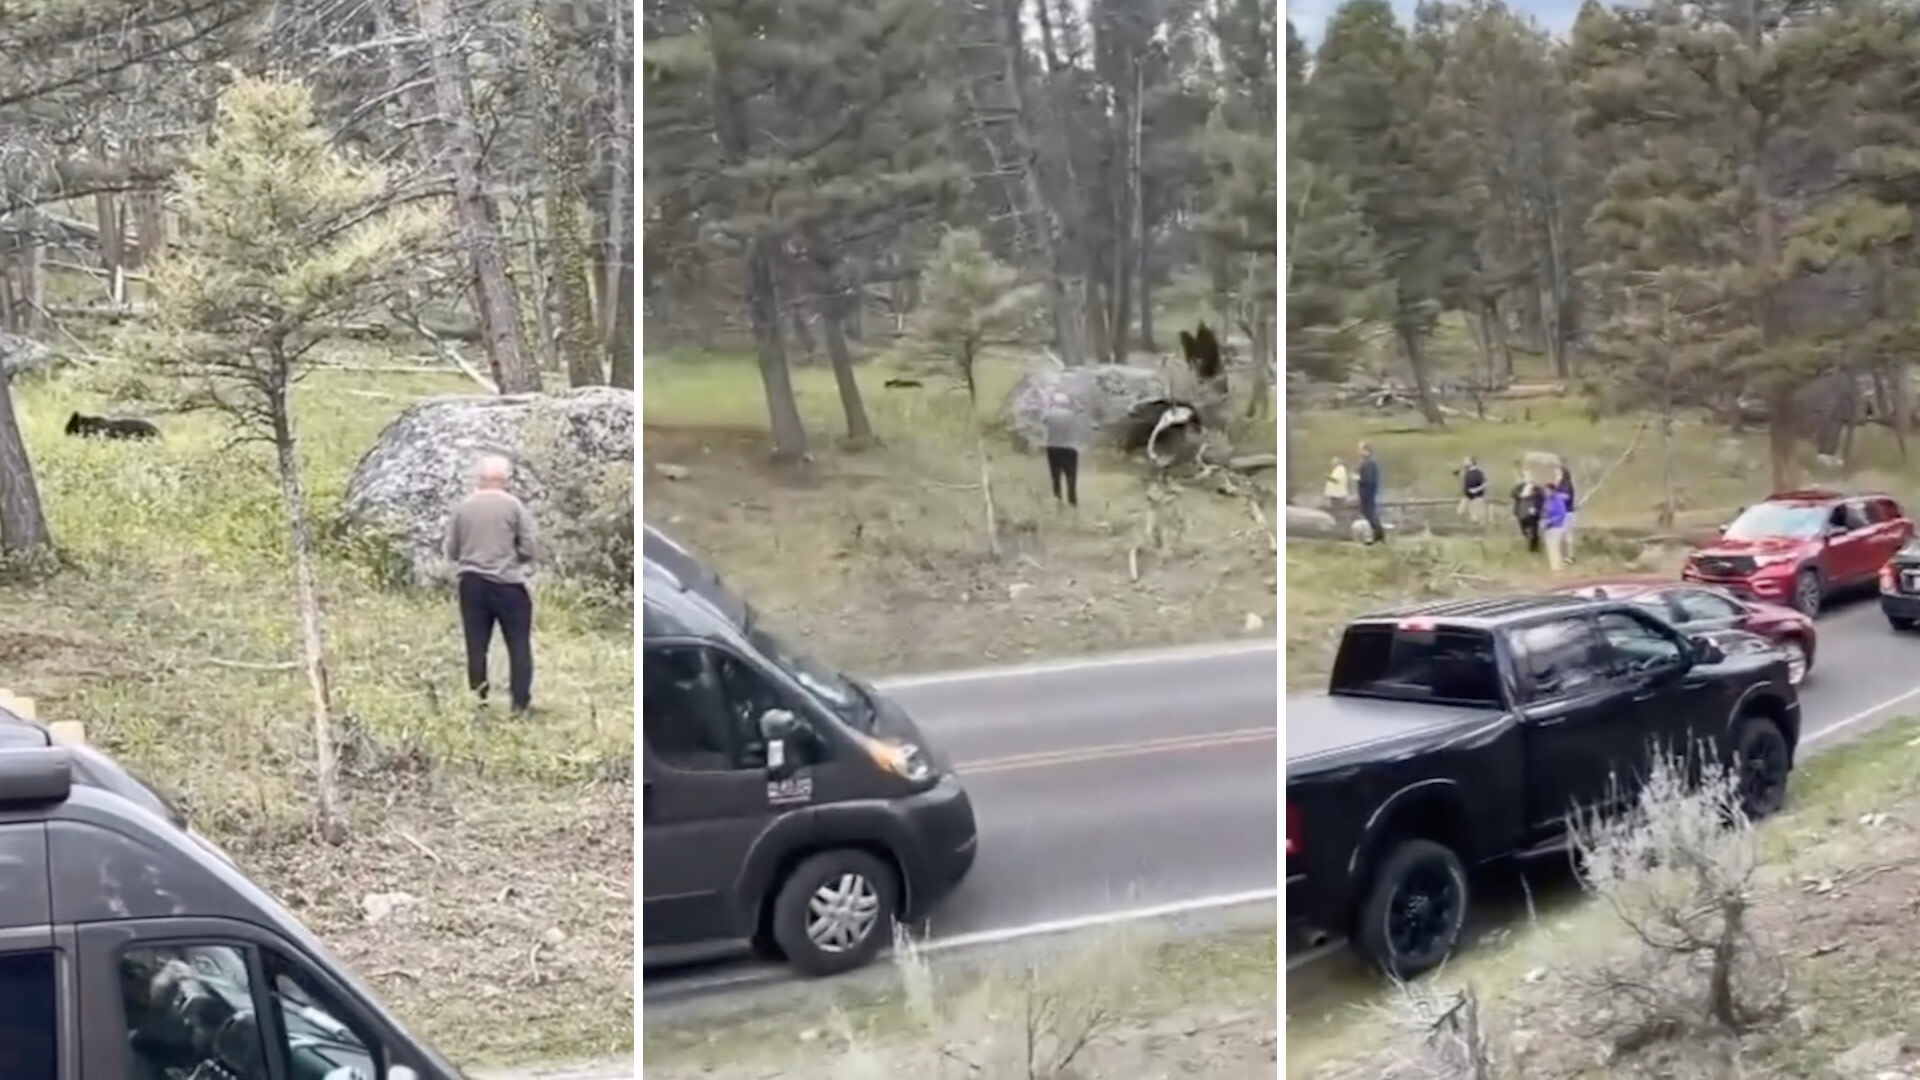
column 170, row 634
column 857, row 549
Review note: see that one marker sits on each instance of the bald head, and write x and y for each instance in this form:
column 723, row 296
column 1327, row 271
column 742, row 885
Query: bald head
column 492, row 472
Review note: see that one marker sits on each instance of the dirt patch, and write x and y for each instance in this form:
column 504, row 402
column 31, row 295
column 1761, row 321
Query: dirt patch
column 878, row 559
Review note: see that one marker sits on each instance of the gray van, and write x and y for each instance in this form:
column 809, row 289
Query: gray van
column 131, row 948
column 783, row 803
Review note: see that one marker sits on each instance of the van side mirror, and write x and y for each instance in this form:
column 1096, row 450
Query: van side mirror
column 776, row 727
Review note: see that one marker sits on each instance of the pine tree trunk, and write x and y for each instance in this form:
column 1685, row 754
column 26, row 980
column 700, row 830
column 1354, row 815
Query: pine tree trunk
column 859, row 429
column 23, row 522
column 1068, row 333
column 495, row 302
column 620, row 345
column 763, row 309
column 562, row 160
column 113, row 253
column 329, row 815
column 1422, row 387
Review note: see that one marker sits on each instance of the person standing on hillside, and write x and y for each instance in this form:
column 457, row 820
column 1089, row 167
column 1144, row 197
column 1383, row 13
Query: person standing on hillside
column 1528, row 504
column 490, row 542
column 1473, row 492
column 1563, row 483
column 1554, row 518
column 1066, row 435
column 1368, row 489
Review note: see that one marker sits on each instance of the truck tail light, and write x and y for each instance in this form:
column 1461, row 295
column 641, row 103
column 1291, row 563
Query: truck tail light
column 1293, row 830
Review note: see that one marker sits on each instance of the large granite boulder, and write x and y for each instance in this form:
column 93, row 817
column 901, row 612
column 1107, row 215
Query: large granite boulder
column 20, row 355
column 1106, row 393
column 565, row 449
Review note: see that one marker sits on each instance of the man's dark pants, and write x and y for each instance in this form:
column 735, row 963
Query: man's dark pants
column 1370, row 509
column 484, row 603
column 1063, row 463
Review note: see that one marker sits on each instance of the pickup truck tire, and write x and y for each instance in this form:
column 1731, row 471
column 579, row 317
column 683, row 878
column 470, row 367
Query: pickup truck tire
column 1763, row 762
column 1809, row 592
column 1415, row 909
column 1900, row 623
column 835, row 911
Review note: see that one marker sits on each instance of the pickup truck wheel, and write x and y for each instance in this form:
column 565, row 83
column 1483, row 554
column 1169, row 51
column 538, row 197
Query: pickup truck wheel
column 1808, row 593
column 1763, row 763
column 835, row 911
column 1415, row 910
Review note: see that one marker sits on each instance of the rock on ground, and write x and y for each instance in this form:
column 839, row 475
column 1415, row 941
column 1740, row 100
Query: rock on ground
column 422, row 464
column 1103, row 392
column 19, row 355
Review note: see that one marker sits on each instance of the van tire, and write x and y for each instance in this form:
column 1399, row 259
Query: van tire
column 1415, row 878
column 869, row 892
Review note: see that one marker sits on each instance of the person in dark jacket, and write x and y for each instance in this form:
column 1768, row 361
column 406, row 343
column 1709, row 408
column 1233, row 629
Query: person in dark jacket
column 1529, row 503
column 1368, row 490
column 1473, row 492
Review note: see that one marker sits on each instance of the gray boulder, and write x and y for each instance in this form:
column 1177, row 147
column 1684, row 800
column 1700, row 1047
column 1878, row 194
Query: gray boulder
column 561, row 445
column 1103, row 392
column 19, row 355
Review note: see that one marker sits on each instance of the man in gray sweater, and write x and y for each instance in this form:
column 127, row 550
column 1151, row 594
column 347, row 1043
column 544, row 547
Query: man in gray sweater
column 1065, row 430
column 490, row 542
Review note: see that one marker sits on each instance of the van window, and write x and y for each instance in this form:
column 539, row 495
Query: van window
column 29, row 1008
column 321, row 1039
column 701, row 710
column 183, row 999
column 192, row 1006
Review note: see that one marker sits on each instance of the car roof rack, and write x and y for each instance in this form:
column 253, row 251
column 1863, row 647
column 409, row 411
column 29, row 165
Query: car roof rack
column 35, row 776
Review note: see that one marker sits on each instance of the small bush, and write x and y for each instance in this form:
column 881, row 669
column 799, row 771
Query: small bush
column 1679, row 872
column 589, row 526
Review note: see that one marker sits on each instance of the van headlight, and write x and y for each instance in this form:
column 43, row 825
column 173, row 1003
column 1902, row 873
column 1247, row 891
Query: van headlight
column 902, row 759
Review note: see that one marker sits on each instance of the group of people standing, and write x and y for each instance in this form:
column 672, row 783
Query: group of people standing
column 1544, row 513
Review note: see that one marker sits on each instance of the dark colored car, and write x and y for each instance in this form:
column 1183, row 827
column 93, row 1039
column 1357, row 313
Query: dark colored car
column 784, row 804
column 1469, row 731
column 1900, row 588
column 1800, row 547
column 128, row 935
column 1695, row 609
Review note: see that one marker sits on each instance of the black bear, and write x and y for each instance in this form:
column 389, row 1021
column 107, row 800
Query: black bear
column 110, row 427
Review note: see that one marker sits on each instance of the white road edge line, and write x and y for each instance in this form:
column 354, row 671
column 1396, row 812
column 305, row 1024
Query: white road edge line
column 1313, row 956
column 1175, row 654
column 1860, row 717
column 1217, row 902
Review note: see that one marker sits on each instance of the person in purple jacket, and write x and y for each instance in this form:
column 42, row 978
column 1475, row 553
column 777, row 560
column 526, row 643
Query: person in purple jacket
column 1553, row 521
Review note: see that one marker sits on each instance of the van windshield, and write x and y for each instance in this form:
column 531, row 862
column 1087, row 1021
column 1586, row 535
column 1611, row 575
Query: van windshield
column 833, row 689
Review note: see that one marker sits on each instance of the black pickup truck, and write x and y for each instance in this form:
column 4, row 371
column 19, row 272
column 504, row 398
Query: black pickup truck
column 1463, row 732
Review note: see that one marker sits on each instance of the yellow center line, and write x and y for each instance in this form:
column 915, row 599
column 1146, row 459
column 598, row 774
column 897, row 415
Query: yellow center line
column 1174, row 744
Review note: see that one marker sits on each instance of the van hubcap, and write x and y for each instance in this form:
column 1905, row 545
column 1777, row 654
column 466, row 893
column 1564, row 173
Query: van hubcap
column 842, row 912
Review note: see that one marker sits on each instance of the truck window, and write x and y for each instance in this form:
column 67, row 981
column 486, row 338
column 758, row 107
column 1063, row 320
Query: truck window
column 1441, row 665
column 29, row 1008
column 701, row 710
column 1557, row 658
column 1637, row 648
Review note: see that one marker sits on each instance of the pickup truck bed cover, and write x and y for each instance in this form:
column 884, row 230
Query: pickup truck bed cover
column 1327, row 731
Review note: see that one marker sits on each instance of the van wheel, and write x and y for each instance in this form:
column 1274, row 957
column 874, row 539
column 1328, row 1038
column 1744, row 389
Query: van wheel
column 1415, row 910
column 1763, row 762
column 835, row 911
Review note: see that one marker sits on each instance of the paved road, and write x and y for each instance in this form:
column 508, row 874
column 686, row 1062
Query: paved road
column 1106, row 789
column 1863, row 674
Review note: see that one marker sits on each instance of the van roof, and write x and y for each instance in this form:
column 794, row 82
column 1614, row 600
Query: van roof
column 682, row 595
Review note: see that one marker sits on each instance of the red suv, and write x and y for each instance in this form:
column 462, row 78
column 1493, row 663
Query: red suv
column 1799, row 547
